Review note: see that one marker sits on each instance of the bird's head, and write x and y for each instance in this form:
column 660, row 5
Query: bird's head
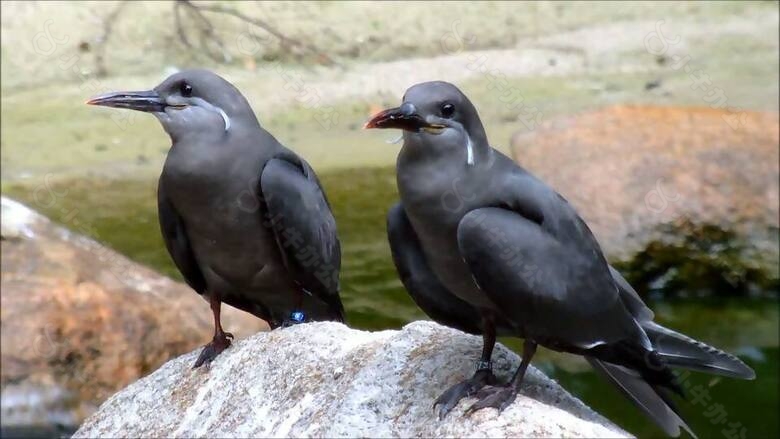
column 435, row 115
column 196, row 102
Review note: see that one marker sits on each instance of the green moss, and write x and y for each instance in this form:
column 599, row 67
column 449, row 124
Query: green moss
column 700, row 260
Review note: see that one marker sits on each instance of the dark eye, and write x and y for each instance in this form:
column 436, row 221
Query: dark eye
column 447, row 110
column 185, row 89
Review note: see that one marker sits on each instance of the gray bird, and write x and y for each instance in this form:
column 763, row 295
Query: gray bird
column 244, row 218
column 484, row 246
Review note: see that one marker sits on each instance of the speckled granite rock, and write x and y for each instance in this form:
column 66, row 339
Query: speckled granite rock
column 327, row 380
column 80, row 321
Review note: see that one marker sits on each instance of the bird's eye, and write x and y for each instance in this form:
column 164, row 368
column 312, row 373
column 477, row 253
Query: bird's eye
column 447, row 110
column 186, row 90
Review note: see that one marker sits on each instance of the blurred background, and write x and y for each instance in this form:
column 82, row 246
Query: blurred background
column 658, row 121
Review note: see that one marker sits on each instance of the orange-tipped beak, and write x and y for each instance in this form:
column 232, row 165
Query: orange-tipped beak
column 148, row 101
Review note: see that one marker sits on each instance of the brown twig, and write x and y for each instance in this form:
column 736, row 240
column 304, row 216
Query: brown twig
column 207, row 31
column 100, row 43
column 284, row 40
column 179, row 28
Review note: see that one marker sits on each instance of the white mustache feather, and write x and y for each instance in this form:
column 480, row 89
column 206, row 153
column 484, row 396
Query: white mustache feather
column 469, row 151
column 394, row 141
column 224, row 118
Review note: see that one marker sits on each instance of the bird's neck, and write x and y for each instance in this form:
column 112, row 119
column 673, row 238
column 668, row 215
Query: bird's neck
column 240, row 127
column 467, row 151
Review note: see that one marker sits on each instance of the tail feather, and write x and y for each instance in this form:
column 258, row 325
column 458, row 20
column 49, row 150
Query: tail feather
column 650, row 400
column 679, row 350
column 336, row 309
column 647, row 364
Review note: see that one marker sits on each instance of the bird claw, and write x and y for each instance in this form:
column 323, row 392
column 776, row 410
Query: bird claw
column 497, row 397
column 212, row 349
column 450, row 398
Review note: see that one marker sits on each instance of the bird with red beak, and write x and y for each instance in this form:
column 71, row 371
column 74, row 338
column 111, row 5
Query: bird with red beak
column 484, row 246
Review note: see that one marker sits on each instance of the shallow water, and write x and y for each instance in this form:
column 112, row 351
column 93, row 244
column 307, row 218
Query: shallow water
column 123, row 215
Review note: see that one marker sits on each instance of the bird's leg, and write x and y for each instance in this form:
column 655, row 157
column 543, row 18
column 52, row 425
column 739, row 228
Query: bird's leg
column 481, row 378
column 500, row 397
column 221, row 340
column 297, row 316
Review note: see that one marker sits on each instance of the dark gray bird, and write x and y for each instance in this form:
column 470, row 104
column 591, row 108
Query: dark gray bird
column 484, row 246
column 244, row 218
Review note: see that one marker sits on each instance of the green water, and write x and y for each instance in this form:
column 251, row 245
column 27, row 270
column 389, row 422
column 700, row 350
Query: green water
column 123, row 215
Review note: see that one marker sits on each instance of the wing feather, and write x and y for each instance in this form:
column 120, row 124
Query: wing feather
column 305, row 229
column 559, row 297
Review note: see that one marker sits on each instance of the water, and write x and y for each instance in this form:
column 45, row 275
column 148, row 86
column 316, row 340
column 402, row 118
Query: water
column 123, row 215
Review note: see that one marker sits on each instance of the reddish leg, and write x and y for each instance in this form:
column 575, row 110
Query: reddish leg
column 221, row 340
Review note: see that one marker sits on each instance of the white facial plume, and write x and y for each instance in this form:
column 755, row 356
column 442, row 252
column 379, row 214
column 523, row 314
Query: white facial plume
column 469, row 151
column 205, row 104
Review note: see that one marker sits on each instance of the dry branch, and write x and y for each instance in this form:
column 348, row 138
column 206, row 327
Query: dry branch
column 102, row 40
column 209, row 34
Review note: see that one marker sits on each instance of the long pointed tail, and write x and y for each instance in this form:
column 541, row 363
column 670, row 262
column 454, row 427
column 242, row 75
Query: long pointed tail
column 679, row 350
column 649, row 399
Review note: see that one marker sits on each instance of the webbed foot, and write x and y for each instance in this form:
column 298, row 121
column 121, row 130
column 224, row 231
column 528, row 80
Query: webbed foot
column 450, row 398
column 219, row 343
column 497, row 397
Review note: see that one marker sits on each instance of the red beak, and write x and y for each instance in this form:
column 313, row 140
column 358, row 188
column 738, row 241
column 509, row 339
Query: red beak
column 404, row 117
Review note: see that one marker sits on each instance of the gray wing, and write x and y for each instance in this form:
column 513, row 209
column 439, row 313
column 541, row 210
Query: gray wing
column 176, row 241
column 631, row 298
column 565, row 300
column 562, row 297
column 421, row 283
column 305, row 229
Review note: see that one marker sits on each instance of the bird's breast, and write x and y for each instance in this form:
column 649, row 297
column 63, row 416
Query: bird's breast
column 217, row 195
column 435, row 203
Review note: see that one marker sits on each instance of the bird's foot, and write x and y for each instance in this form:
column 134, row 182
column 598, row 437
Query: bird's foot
column 450, row 398
column 497, row 397
column 219, row 343
column 296, row 318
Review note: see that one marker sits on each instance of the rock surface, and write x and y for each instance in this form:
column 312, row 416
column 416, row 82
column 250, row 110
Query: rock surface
column 327, row 380
column 80, row 321
column 642, row 174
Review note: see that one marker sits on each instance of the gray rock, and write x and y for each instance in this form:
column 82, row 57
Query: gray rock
column 327, row 380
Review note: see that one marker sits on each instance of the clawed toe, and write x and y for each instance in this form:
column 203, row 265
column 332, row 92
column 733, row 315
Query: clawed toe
column 214, row 348
column 450, row 398
column 487, row 391
column 495, row 397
